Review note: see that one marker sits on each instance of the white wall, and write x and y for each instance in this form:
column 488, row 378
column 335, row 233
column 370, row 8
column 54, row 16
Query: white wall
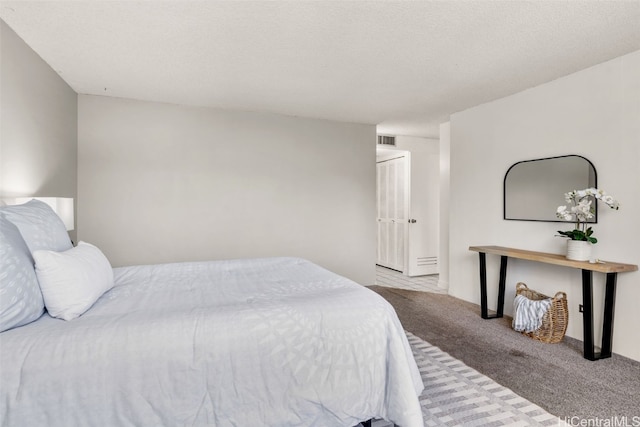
column 163, row 183
column 38, row 124
column 445, row 190
column 594, row 113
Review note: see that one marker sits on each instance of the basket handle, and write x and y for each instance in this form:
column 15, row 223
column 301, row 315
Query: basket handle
column 561, row 294
column 521, row 285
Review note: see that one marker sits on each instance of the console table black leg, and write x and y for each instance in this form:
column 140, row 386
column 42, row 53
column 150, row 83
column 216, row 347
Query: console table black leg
column 484, row 311
column 587, row 315
column 483, row 285
column 501, row 285
column 609, row 311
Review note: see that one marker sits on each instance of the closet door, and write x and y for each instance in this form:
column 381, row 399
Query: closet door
column 392, row 201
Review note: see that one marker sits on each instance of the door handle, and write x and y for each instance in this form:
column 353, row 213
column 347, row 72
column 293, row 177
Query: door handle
column 412, row 221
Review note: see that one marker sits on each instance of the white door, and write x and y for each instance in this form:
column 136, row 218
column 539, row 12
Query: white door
column 423, row 242
column 392, row 205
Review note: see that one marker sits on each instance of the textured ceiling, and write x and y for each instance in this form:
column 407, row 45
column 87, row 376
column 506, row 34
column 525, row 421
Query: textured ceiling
column 403, row 65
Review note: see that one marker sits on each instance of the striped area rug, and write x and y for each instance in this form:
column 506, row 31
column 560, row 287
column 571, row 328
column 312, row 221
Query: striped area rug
column 457, row 395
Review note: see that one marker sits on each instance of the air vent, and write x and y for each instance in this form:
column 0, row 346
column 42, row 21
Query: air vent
column 427, row 260
column 386, row 140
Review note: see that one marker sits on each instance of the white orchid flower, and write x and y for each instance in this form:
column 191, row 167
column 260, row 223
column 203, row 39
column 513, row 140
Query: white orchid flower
column 562, row 213
column 582, row 209
column 569, row 197
column 610, row 201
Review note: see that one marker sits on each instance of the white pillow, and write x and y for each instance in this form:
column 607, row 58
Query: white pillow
column 40, row 226
column 71, row 281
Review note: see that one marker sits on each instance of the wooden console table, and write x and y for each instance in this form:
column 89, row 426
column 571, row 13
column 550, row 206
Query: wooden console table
column 611, row 269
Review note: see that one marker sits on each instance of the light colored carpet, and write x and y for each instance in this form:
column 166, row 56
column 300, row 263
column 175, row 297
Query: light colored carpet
column 394, row 279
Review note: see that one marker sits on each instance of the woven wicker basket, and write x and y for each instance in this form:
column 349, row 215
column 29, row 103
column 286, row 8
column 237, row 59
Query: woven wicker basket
column 555, row 320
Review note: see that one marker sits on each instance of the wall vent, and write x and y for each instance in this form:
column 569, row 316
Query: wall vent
column 386, row 140
column 427, row 260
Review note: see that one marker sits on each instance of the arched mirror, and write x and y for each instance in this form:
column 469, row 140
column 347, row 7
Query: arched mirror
column 533, row 189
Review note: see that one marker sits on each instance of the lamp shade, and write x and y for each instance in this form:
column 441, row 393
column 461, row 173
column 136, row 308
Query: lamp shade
column 62, row 206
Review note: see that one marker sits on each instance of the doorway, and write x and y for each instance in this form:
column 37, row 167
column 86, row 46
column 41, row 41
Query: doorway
column 407, row 191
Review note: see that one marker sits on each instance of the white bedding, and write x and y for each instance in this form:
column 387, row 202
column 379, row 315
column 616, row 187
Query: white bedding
column 260, row 342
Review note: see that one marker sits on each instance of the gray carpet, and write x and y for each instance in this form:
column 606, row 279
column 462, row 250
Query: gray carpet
column 553, row 376
column 457, row 395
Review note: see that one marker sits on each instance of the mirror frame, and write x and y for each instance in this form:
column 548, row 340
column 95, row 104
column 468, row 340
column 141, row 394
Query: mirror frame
column 504, row 190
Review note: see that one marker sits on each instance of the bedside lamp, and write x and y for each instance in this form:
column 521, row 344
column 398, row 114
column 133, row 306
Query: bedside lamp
column 62, row 206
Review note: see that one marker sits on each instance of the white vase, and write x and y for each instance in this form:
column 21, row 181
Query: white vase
column 578, row 250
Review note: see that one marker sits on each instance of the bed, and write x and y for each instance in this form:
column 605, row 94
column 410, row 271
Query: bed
column 249, row 342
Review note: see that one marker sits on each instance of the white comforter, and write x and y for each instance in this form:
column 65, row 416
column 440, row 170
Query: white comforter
column 246, row 343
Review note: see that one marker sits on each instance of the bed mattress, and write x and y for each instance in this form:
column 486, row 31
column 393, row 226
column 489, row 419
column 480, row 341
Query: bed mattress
column 255, row 342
